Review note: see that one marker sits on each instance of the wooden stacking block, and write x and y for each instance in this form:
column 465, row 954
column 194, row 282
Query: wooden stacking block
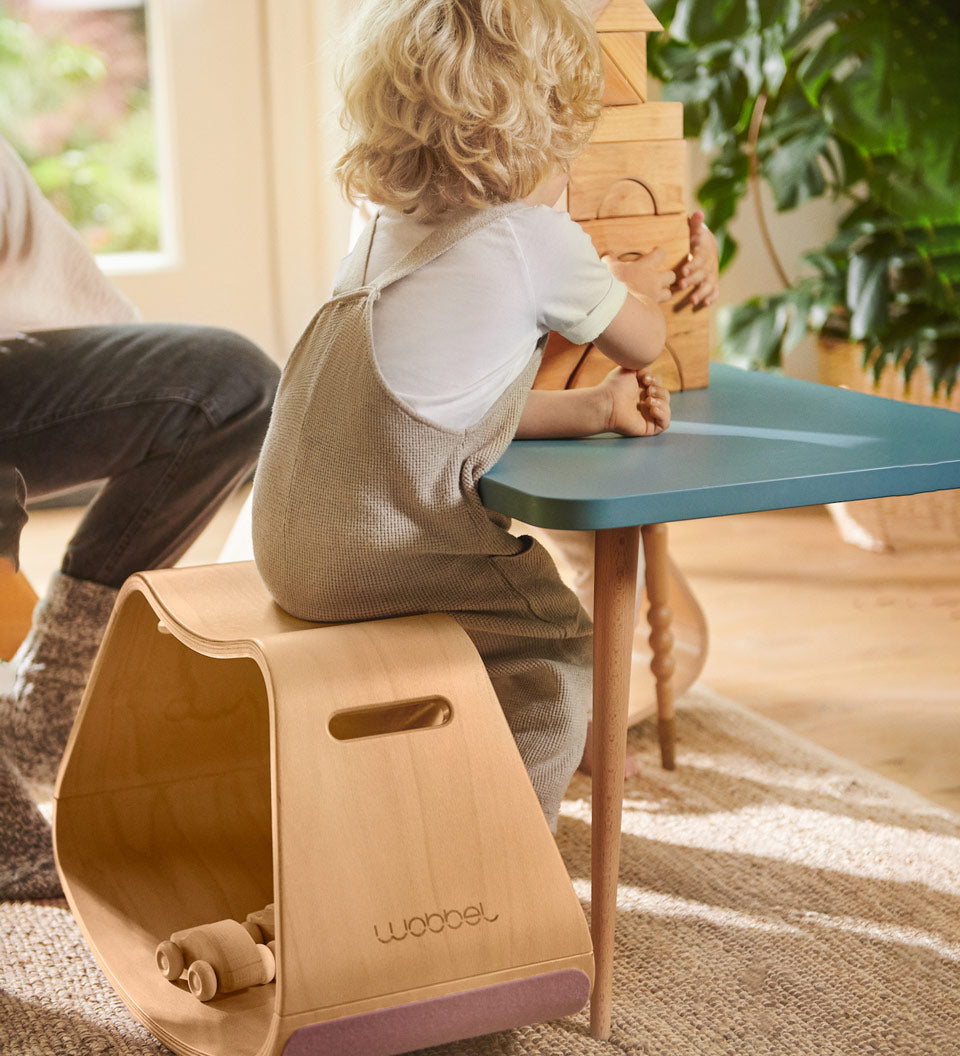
column 627, row 53
column 644, row 121
column 628, row 237
column 626, row 16
column 685, row 356
column 684, row 363
column 628, row 191
column 617, row 90
column 625, row 237
column 361, row 777
column 628, row 179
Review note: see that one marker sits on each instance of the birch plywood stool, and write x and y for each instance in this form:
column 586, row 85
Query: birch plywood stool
column 361, row 777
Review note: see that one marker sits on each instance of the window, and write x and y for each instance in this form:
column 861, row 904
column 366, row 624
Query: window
column 215, row 118
column 77, row 103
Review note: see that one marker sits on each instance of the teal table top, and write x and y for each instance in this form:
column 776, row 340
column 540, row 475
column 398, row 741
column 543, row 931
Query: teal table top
column 749, row 442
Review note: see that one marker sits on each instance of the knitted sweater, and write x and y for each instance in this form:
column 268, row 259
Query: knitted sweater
column 48, row 279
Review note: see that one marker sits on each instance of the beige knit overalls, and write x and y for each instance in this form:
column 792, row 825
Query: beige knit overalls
column 362, row 509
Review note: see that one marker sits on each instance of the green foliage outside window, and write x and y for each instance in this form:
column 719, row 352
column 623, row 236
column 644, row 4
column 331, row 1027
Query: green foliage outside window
column 88, row 141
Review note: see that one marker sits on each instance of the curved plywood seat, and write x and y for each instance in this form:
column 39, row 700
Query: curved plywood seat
column 359, row 776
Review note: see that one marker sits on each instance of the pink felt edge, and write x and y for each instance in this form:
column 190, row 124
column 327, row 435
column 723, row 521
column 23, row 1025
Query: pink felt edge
column 441, row 1020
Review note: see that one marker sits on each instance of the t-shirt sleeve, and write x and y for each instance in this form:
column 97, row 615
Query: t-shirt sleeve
column 573, row 290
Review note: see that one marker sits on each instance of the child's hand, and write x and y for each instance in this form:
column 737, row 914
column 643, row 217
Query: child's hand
column 645, row 274
column 639, row 404
column 700, row 273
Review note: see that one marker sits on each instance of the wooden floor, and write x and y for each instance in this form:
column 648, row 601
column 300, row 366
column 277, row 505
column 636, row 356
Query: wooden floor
column 856, row 651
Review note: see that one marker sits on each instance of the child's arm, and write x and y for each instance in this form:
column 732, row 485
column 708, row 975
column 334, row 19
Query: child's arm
column 637, row 333
column 625, row 402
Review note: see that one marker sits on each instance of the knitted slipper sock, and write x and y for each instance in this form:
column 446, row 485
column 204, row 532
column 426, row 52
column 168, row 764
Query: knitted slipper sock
column 52, row 667
column 27, row 869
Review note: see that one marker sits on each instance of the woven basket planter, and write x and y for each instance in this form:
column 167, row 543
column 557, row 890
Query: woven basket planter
column 903, row 521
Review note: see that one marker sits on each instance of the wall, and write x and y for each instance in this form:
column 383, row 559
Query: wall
column 311, row 220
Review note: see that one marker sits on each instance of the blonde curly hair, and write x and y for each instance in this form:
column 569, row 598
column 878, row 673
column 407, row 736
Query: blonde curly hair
column 452, row 103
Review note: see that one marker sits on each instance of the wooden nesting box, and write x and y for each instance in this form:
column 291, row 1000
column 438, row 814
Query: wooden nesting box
column 361, row 777
column 628, row 191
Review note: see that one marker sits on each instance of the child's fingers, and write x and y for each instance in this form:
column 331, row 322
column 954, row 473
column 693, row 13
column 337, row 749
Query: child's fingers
column 705, row 293
column 655, row 391
column 654, row 408
column 649, row 380
column 654, row 257
column 659, row 415
column 692, row 274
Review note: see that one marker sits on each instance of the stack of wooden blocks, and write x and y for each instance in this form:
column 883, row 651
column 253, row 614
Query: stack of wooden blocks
column 628, row 192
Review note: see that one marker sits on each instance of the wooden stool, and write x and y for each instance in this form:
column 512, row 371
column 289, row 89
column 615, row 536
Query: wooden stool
column 360, row 776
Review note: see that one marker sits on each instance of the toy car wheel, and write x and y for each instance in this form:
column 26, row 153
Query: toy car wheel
column 202, row 980
column 169, row 960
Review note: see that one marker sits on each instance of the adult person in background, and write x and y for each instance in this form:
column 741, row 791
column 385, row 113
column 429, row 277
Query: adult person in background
column 170, row 417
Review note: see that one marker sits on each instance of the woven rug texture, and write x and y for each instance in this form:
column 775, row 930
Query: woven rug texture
column 774, row 900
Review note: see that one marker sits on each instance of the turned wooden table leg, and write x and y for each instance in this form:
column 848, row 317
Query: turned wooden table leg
column 614, row 594
column 660, row 617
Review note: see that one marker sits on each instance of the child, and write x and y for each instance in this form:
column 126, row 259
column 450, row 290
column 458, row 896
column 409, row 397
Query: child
column 412, row 380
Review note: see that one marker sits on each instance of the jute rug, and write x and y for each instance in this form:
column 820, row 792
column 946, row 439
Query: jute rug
column 774, row 901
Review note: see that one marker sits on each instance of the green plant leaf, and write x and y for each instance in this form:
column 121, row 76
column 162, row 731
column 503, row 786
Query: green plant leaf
column 868, row 288
column 726, row 246
column 864, row 111
column 751, row 334
column 747, row 57
column 773, row 63
column 710, row 20
column 793, row 169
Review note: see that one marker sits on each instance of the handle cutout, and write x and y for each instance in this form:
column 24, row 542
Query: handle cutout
column 423, row 713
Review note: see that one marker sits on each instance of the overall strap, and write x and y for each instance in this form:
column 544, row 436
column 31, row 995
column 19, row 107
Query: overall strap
column 355, row 269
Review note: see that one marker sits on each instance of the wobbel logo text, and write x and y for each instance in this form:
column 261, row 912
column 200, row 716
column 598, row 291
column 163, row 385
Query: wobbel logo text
column 435, row 922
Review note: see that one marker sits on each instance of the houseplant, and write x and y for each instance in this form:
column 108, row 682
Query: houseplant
column 857, row 99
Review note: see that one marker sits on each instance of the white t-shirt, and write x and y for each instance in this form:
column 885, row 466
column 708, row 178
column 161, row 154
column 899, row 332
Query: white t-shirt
column 48, row 279
column 451, row 337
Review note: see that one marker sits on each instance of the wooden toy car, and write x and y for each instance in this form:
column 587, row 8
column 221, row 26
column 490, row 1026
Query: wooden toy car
column 219, row 958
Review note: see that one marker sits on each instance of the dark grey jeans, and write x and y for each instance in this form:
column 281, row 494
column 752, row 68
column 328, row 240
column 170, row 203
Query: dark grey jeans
column 171, row 417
